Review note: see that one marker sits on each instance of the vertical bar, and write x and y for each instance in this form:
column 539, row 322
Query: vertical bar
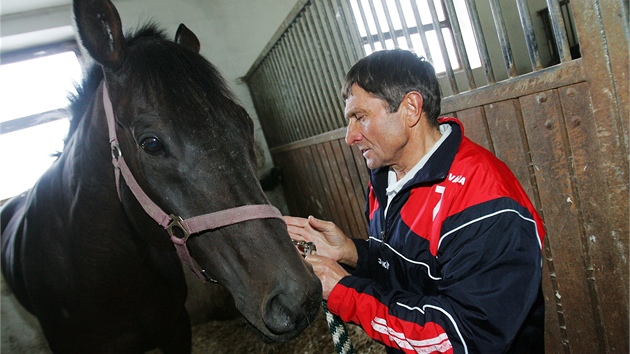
column 459, row 43
column 324, row 68
column 445, row 56
column 559, row 32
column 282, row 101
column 334, row 43
column 352, row 31
column 305, row 45
column 390, row 24
column 381, row 37
column 420, row 27
column 302, row 76
column 368, row 31
column 336, row 21
column 276, row 105
column 530, row 37
column 403, row 21
column 481, row 41
column 497, row 14
column 268, row 105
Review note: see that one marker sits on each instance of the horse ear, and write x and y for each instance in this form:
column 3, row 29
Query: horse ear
column 101, row 31
column 187, row 38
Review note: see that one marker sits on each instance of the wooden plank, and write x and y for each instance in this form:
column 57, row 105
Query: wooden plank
column 353, row 207
column 475, row 126
column 357, row 189
column 307, row 184
column 327, row 173
column 363, row 172
column 325, row 195
column 543, row 125
column 545, row 79
column 606, row 247
column 555, row 327
column 506, row 127
column 339, row 178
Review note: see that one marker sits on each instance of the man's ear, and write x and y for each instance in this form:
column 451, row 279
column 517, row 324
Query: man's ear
column 412, row 104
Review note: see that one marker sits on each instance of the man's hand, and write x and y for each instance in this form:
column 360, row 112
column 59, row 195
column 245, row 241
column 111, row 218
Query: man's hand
column 330, row 241
column 328, row 271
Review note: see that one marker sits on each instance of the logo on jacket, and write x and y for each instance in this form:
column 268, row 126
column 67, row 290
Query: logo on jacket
column 384, row 264
column 457, row 179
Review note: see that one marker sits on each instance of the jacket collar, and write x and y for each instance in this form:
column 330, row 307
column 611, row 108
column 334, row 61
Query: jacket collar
column 436, row 168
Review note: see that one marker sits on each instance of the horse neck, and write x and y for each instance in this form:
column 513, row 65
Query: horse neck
column 87, row 171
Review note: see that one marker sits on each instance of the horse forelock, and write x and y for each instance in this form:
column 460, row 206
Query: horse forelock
column 169, row 72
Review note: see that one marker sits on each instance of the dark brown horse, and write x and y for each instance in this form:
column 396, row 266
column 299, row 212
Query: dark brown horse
column 89, row 250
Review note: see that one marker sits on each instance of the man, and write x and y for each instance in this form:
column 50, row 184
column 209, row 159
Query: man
column 453, row 259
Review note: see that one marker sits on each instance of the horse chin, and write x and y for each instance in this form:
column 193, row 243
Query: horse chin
column 269, row 337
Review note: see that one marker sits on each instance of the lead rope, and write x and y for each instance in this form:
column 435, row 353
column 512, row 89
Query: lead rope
column 337, row 328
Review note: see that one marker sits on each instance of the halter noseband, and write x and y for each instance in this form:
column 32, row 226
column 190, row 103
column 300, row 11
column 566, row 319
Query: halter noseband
column 178, row 228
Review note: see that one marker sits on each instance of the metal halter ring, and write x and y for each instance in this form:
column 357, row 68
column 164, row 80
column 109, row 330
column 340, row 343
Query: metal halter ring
column 305, row 248
column 176, row 228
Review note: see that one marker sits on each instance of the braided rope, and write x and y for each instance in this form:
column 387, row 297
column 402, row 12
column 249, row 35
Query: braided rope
column 339, row 332
column 337, row 328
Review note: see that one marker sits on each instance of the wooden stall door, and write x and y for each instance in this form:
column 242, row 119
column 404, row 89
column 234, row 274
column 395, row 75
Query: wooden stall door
column 563, row 130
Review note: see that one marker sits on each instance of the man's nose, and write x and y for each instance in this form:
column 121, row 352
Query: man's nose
column 352, row 133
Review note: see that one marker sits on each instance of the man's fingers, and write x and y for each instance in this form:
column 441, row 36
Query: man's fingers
column 295, row 221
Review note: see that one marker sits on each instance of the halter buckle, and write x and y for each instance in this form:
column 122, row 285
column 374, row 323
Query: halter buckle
column 305, row 248
column 116, row 152
column 176, row 229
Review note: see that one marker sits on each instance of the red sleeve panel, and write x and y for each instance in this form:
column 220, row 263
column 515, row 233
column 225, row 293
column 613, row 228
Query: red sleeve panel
column 373, row 316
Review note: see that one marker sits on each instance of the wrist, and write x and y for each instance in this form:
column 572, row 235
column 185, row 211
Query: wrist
column 349, row 256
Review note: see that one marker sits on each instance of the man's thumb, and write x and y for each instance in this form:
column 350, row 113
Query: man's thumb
column 317, row 224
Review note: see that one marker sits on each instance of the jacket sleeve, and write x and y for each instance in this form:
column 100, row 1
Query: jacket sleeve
column 489, row 279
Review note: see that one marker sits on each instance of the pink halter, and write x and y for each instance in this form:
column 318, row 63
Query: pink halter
column 179, row 229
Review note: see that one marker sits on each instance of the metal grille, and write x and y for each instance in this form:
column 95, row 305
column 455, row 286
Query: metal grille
column 295, row 83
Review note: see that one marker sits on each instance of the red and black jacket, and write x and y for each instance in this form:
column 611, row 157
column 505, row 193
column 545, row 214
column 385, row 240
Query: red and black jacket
column 455, row 265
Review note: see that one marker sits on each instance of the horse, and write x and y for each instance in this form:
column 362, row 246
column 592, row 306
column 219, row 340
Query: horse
column 158, row 169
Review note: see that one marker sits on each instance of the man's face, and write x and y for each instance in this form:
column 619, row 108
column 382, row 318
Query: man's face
column 379, row 135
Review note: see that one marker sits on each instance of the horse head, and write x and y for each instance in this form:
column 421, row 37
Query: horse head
column 190, row 147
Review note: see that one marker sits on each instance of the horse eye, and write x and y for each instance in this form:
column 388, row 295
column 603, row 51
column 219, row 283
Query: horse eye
column 151, row 145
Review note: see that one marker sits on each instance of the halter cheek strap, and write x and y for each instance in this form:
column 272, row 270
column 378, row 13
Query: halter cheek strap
column 178, row 228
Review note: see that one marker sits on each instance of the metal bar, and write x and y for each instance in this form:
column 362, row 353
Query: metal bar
column 420, row 27
column 350, row 32
column 445, row 56
column 481, row 40
column 273, row 106
column 304, row 45
column 497, row 14
column 32, row 120
column 403, row 21
column 281, row 80
column 307, row 101
column 390, row 24
column 289, row 96
column 459, row 43
column 530, row 37
column 559, row 32
column 324, row 67
column 327, row 17
column 273, row 110
column 368, row 32
column 379, row 32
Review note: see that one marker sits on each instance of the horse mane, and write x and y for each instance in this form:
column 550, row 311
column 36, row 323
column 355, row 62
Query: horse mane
column 157, row 75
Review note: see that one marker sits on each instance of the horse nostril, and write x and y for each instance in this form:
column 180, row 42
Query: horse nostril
column 277, row 317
